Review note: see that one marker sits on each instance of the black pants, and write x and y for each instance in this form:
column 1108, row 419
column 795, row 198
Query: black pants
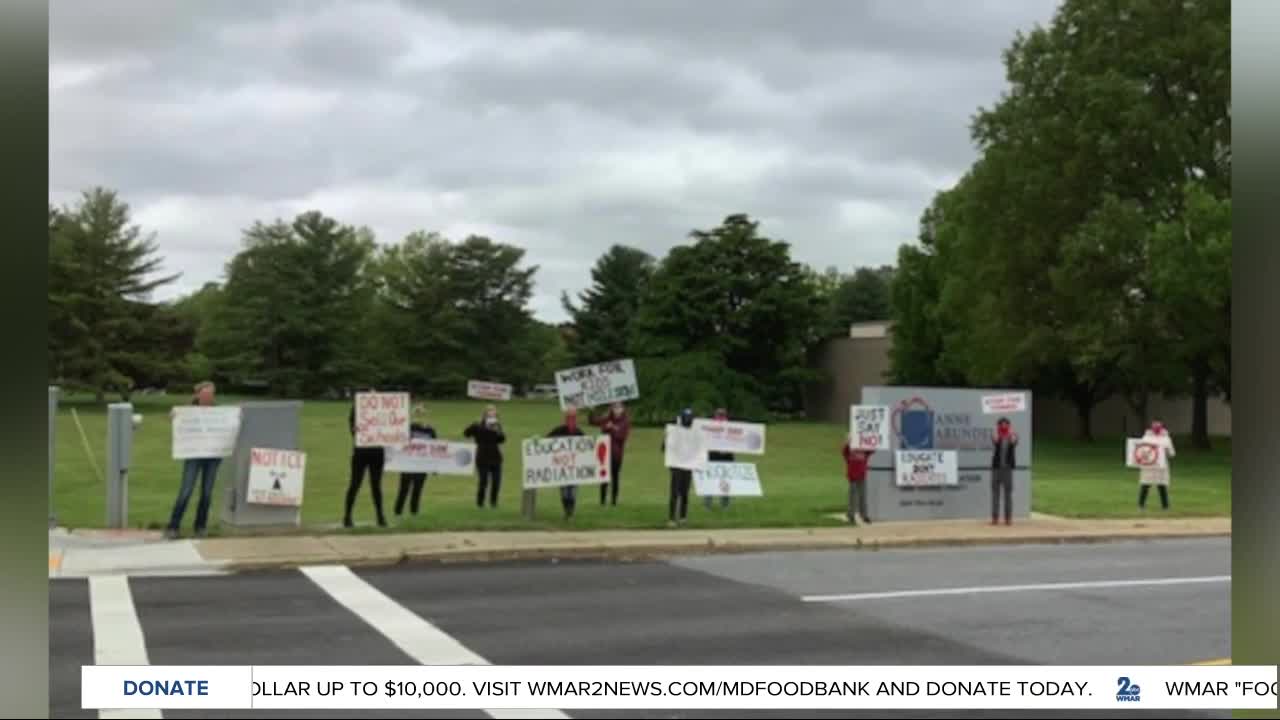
column 616, row 466
column 1164, row 495
column 680, row 482
column 372, row 460
column 490, row 478
column 1002, row 486
column 411, row 489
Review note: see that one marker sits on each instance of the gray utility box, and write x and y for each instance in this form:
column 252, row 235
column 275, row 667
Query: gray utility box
column 274, row 425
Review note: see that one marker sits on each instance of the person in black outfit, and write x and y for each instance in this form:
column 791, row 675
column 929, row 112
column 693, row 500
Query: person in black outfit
column 487, row 435
column 681, row 479
column 411, row 483
column 568, row 493
column 364, row 458
column 1004, row 444
column 721, row 415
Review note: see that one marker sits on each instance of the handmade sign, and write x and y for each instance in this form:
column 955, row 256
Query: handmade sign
column 732, row 437
column 722, row 478
column 481, row 390
column 560, row 461
column 382, row 419
column 685, row 448
column 1004, row 404
column 924, row 468
column 430, row 456
column 276, row 477
column 205, row 432
column 1145, row 453
column 869, row 427
column 599, row 384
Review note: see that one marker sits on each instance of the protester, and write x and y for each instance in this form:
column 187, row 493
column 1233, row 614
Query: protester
column 855, row 470
column 1004, row 443
column 205, row 468
column 617, row 425
column 487, row 435
column 411, row 483
column 721, row 415
column 364, row 458
column 568, row 493
column 681, row 479
column 1158, row 435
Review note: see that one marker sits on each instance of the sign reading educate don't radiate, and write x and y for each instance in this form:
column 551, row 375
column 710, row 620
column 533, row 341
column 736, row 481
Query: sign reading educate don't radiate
column 205, row 432
column 570, row 460
column 599, row 384
column 382, row 419
column 926, row 468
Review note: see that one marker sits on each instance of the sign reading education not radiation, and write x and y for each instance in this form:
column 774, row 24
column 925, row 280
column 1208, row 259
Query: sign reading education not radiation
column 571, row 460
column 382, row 419
column 430, row 456
column 869, row 427
column 926, row 468
column 481, row 390
column 599, row 384
column 205, row 432
column 722, row 478
column 731, row 437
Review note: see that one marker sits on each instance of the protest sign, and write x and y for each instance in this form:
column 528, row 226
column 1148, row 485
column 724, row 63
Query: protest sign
column 1145, row 453
column 382, row 419
column 276, row 477
column 205, row 432
column 923, row 468
column 869, row 427
column 424, row 455
column 1004, row 403
column 722, row 478
column 685, row 448
column 481, row 390
column 569, row 460
column 599, row 384
column 732, row 437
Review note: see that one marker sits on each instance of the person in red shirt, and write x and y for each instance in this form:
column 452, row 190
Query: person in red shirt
column 855, row 470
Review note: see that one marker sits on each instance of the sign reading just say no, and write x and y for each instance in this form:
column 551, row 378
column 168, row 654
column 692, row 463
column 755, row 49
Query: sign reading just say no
column 382, row 419
column 869, row 427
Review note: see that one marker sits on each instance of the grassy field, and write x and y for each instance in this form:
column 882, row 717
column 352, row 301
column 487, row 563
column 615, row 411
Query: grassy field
column 802, row 475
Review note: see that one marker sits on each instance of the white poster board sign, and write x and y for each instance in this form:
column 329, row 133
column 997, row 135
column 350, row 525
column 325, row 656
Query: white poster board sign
column 205, row 432
column 926, row 468
column 869, row 427
column 685, row 448
column 731, row 437
column 428, row 456
column 571, row 460
column 1004, row 403
column 1145, row 454
column 599, row 384
column 722, row 478
column 481, row 390
column 276, row 477
column 382, row 419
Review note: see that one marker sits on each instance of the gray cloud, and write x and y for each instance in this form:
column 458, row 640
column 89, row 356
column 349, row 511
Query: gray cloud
column 560, row 126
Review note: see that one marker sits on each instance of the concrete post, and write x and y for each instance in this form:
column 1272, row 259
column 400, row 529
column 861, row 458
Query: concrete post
column 528, row 503
column 53, row 426
column 119, row 458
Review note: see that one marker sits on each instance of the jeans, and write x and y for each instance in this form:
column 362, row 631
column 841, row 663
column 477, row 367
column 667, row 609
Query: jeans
column 207, row 469
column 491, row 479
column 568, row 498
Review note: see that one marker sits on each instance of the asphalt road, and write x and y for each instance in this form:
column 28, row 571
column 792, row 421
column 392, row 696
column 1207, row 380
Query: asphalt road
column 1072, row 604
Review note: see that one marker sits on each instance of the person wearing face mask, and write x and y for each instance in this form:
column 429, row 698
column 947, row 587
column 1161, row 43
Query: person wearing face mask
column 205, row 469
column 568, row 493
column 721, row 415
column 488, row 436
column 681, row 480
column 411, row 483
column 1156, row 435
column 617, row 425
column 1004, row 444
column 371, row 459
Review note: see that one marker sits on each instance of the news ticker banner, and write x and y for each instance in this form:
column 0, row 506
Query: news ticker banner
column 497, row 687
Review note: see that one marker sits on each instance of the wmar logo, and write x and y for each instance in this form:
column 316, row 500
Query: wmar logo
column 913, row 424
column 1127, row 692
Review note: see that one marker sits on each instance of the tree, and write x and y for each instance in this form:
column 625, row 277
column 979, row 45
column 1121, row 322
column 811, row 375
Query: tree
column 863, row 296
column 102, row 270
column 602, row 318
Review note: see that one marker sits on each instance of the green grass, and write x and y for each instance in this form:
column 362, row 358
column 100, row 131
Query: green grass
column 802, row 476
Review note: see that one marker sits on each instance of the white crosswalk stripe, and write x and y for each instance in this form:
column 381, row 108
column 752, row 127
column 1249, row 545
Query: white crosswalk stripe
column 117, row 633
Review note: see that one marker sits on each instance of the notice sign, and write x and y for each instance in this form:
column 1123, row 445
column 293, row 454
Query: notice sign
column 427, row 456
column 1004, row 404
column 382, row 419
column 600, row 384
column 205, row 432
column 721, row 478
column 481, row 390
column 1145, row 454
column 685, row 448
column 560, row 461
column 732, row 437
column 869, row 427
column 275, row 477
column 926, row 468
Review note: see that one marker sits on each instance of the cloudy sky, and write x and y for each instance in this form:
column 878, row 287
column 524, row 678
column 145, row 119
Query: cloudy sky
column 563, row 127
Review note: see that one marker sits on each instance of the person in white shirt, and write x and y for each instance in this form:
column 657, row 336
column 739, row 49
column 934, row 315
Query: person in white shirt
column 1156, row 434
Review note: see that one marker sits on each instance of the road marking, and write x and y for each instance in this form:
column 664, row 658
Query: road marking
column 117, row 634
column 55, row 562
column 419, row 639
column 1042, row 587
column 1219, row 661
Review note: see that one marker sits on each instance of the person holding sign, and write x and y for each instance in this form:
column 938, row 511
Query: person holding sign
column 204, row 468
column 1158, row 476
column 568, row 493
column 1004, row 443
column 721, row 415
column 488, row 436
column 371, row 459
column 411, row 483
column 617, row 425
column 855, row 471
column 681, row 480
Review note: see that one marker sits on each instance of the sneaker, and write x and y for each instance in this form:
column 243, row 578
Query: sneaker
column 202, row 534
column 347, row 523
column 170, row 534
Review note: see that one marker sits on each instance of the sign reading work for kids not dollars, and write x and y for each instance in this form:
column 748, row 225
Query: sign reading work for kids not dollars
column 599, row 384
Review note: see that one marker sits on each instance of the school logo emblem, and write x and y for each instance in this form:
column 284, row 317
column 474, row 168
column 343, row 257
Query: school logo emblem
column 913, row 424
